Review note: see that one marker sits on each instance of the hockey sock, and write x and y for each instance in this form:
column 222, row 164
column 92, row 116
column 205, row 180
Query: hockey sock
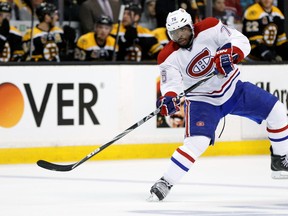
column 279, row 140
column 184, row 157
column 277, row 128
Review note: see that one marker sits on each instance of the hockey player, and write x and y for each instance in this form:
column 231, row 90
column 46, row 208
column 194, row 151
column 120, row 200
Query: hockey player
column 98, row 45
column 10, row 37
column 195, row 52
column 136, row 43
column 48, row 42
column 263, row 24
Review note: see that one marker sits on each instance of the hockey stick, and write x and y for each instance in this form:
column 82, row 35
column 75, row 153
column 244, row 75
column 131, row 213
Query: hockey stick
column 121, row 14
column 63, row 168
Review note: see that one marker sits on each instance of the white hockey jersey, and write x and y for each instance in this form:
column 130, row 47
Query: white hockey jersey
column 180, row 68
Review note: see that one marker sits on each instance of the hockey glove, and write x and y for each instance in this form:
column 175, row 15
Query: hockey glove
column 169, row 104
column 223, row 60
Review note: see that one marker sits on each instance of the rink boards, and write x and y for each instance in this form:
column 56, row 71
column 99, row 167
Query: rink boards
column 62, row 113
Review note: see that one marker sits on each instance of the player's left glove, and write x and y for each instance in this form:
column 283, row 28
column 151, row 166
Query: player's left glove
column 223, row 60
column 169, row 103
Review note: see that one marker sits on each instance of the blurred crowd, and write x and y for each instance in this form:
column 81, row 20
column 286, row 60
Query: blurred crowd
column 131, row 30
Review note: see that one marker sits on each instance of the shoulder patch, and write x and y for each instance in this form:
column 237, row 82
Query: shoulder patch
column 207, row 23
column 166, row 51
column 253, row 12
column 86, row 41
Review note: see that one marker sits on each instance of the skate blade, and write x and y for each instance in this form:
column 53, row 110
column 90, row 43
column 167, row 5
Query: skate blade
column 279, row 175
column 152, row 198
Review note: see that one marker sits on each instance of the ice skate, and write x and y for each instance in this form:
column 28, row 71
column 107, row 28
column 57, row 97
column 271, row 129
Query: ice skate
column 279, row 166
column 159, row 190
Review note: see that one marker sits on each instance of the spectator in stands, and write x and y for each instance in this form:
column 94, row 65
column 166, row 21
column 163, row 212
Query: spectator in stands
column 10, row 37
column 148, row 17
column 263, row 24
column 97, row 45
column 234, row 7
column 47, row 42
column 136, row 43
column 246, row 3
column 90, row 10
column 220, row 12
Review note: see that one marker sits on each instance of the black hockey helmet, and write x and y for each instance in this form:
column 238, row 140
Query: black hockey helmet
column 43, row 9
column 104, row 20
column 136, row 8
column 5, row 7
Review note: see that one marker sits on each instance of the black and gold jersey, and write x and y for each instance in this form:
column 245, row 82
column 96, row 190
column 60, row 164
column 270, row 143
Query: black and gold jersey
column 87, row 48
column 264, row 28
column 161, row 35
column 11, row 47
column 46, row 46
column 144, row 47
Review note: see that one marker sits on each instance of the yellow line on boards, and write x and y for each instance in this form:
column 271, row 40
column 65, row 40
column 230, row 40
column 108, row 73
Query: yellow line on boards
column 125, row 151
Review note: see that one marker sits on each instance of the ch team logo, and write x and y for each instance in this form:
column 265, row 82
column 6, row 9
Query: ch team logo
column 11, row 105
column 200, row 65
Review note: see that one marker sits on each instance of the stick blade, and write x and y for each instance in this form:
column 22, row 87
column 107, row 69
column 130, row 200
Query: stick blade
column 55, row 167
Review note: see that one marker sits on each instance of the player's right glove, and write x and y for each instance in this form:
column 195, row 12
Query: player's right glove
column 223, row 60
column 169, row 104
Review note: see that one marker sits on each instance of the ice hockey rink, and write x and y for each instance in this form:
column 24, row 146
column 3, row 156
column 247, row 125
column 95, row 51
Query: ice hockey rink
column 238, row 186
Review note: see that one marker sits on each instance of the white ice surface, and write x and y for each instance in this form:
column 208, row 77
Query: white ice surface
column 228, row 186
